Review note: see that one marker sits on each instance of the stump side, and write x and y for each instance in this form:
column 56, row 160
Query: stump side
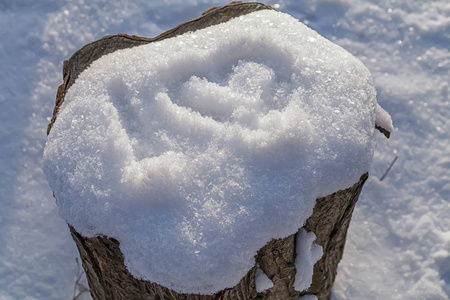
column 330, row 221
column 109, row 278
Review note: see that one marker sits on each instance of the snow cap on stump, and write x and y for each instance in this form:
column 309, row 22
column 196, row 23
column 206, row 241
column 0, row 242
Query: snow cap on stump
column 197, row 150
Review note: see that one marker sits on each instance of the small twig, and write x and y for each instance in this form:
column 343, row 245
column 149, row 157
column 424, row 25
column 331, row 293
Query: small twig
column 78, row 286
column 81, row 292
column 389, row 168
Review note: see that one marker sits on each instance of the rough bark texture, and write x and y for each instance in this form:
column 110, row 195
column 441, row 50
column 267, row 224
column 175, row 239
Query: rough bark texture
column 101, row 256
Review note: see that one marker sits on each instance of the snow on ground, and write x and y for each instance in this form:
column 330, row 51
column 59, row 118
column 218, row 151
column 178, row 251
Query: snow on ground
column 397, row 247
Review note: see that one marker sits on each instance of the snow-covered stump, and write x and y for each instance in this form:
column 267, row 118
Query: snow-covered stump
column 284, row 256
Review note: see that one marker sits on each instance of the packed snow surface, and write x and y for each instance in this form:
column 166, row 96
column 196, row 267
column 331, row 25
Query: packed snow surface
column 262, row 282
column 197, row 150
column 308, row 253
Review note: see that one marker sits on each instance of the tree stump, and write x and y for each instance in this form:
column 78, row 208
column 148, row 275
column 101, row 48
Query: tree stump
column 103, row 261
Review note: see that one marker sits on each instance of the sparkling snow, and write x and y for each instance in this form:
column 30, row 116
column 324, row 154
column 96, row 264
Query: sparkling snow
column 397, row 245
column 196, row 151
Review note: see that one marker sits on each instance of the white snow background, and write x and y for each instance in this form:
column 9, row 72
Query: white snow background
column 399, row 240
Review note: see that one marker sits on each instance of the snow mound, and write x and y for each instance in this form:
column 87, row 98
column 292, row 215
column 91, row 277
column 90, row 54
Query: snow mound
column 308, row 253
column 196, row 151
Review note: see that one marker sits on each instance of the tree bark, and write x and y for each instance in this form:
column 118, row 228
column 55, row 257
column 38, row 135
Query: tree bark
column 103, row 261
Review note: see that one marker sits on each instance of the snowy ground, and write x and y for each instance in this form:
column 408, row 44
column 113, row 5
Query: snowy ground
column 399, row 242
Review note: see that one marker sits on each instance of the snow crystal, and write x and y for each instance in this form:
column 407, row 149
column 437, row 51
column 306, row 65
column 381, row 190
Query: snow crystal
column 196, row 151
column 262, row 282
column 308, row 253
